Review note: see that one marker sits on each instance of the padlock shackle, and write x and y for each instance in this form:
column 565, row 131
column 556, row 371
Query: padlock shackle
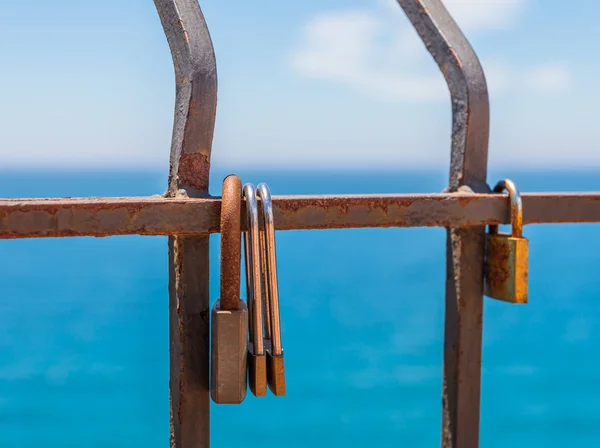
column 270, row 269
column 516, row 207
column 253, row 271
column 231, row 243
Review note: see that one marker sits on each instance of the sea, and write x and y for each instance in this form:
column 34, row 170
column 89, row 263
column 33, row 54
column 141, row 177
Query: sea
column 84, row 352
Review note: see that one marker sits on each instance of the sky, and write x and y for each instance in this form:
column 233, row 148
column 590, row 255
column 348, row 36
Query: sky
column 344, row 84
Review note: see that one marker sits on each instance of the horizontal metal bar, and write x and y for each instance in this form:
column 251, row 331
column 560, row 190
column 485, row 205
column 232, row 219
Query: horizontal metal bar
column 36, row 218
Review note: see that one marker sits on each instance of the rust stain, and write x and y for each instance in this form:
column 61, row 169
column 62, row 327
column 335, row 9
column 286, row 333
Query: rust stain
column 194, row 170
column 186, row 38
column 463, row 202
column 498, row 262
column 75, row 208
column 182, row 339
column 506, row 268
column 65, row 217
column 456, row 58
column 376, row 203
column 343, row 207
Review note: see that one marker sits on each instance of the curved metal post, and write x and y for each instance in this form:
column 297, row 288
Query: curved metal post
column 195, row 109
column 465, row 246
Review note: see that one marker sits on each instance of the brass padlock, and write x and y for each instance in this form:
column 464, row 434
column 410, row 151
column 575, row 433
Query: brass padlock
column 257, row 363
column 506, row 255
column 273, row 346
column 229, row 331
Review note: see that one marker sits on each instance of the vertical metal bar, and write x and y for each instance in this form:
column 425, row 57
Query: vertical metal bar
column 465, row 247
column 195, row 109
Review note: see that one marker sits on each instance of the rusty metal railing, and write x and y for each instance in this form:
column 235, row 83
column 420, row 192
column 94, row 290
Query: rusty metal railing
column 49, row 217
column 188, row 215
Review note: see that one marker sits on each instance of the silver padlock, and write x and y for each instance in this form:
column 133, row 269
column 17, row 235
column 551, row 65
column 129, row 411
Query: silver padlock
column 257, row 364
column 273, row 345
column 229, row 330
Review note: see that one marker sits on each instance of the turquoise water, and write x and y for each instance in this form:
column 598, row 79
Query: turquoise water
column 84, row 330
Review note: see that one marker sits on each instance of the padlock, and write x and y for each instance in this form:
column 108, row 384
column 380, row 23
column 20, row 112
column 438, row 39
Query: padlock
column 273, row 345
column 506, row 255
column 257, row 363
column 229, row 330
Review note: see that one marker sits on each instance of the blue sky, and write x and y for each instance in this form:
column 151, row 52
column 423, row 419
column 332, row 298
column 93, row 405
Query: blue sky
column 332, row 83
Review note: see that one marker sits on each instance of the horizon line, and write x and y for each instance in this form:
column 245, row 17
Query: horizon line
column 292, row 167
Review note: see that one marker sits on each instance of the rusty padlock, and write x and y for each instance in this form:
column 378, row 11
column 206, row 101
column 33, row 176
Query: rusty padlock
column 229, row 331
column 506, row 255
column 257, row 363
column 273, row 345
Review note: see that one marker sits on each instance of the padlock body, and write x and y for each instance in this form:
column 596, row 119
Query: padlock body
column 257, row 372
column 506, row 267
column 229, row 340
column 275, row 371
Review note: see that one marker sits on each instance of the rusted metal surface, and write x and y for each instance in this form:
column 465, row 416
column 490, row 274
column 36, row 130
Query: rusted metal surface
column 506, row 255
column 465, row 246
column 229, row 317
column 231, row 243
column 193, row 127
column 106, row 216
column 516, row 206
column 99, row 217
column 229, row 353
column 506, row 268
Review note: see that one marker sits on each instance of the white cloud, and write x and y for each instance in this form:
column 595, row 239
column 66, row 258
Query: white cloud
column 474, row 15
column 358, row 49
column 545, row 78
column 338, row 44
column 378, row 52
column 548, row 77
